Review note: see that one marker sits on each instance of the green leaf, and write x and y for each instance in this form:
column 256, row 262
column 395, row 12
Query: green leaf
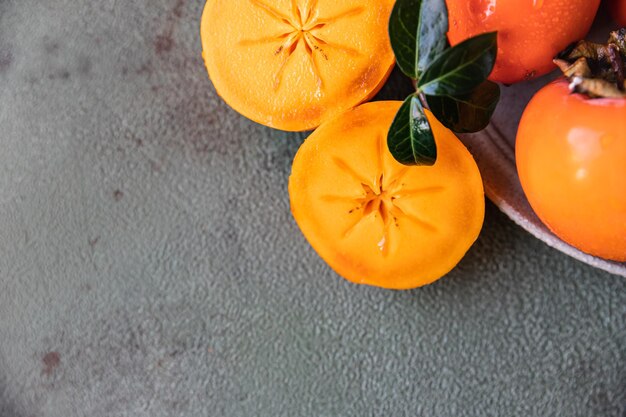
column 417, row 29
column 467, row 113
column 410, row 139
column 433, row 29
column 403, row 27
column 462, row 68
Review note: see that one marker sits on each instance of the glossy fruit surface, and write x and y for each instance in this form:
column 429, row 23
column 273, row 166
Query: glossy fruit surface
column 571, row 160
column 618, row 11
column 530, row 32
column 375, row 221
column 290, row 64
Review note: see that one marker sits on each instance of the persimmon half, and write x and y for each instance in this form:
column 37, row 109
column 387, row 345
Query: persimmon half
column 291, row 64
column 571, row 160
column 530, row 32
column 374, row 220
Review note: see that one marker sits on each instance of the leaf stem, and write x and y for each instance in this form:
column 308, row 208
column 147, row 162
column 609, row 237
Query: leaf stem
column 422, row 98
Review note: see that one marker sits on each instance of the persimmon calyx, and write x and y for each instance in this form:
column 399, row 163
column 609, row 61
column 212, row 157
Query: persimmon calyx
column 597, row 70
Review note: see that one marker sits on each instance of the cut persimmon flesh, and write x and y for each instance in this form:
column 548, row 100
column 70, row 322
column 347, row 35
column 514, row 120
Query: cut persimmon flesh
column 375, row 221
column 291, row 64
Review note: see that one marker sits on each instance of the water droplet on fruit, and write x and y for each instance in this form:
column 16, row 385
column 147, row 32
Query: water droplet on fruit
column 483, row 8
column 381, row 244
column 537, row 4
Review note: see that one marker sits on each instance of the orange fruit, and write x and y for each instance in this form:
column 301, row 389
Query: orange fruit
column 530, row 32
column 375, row 221
column 571, row 152
column 291, row 64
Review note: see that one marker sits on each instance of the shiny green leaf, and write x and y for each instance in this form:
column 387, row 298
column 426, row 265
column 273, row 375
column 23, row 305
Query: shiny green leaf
column 432, row 33
column 403, row 27
column 467, row 113
column 462, row 68
column 410, row 139
column 417, row 29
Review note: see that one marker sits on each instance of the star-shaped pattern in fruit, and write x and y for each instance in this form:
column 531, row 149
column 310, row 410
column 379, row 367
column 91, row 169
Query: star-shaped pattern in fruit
column 380, row 198
column 301, row 25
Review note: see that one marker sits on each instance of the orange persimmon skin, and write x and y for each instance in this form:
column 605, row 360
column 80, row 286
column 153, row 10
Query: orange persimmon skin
column 530, row 32
column 571, row 160
column 375, row 221
column 618, row 11
column 291, row 64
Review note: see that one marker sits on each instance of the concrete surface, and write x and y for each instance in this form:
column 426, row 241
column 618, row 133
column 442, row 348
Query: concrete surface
column 149, row 265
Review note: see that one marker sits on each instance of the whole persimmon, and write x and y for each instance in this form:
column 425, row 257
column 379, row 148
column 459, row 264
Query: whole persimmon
column 374, row 220
column 530, row 32
column 571, row 160
column 291, row 64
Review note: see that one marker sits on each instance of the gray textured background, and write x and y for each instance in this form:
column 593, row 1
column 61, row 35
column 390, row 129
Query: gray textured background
column 149, row 265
